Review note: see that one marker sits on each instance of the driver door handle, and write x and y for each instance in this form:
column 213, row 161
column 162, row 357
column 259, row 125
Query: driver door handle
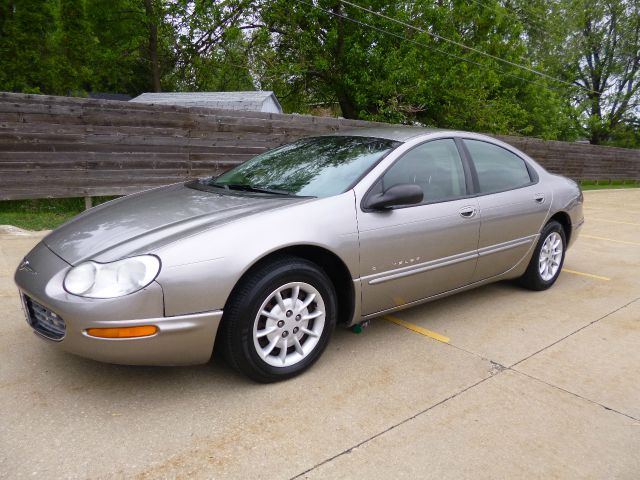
column 467, row 212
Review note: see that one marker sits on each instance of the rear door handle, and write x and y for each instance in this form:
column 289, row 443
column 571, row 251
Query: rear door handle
column 467, row 212
column 539, row 198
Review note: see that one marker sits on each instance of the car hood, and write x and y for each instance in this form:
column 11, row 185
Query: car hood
column 143, row 222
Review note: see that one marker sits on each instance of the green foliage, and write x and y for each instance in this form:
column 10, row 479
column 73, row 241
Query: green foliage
column 377, row 69
column 75, row 45
column 409, row 66
column 27, row 29
column 120, row 59
column 213, row 52
column 597, row 47
column 42, row 214
column 625, row 135
column 72, row 47
column 608, row 184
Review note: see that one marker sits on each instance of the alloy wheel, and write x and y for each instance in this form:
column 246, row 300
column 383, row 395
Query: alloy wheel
column 289, row 324
column 550, row 256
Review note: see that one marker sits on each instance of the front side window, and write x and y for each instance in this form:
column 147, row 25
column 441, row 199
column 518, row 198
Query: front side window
column 498, row 169
column 317, row 167
column 435, row 166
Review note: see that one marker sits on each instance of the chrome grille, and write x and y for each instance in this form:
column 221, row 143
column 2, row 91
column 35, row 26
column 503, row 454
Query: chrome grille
column 43, row 320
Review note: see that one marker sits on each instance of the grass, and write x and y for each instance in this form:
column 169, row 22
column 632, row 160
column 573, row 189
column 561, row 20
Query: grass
column 42, row 214
column 49, row 213
column 607, row 184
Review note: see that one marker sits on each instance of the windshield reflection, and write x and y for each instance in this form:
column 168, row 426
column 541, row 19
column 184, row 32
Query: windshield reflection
column 318, row 167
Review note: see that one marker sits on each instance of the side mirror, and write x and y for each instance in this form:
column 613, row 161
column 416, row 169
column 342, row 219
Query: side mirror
column 401, row 194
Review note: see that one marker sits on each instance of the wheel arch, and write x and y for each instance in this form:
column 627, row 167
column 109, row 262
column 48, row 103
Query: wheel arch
column 563, row 219
column 326, row 260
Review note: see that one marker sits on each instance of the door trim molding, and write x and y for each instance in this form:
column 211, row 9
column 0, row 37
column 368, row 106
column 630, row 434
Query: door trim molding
column 420, row 268
column 389, row 275
column 499, row 247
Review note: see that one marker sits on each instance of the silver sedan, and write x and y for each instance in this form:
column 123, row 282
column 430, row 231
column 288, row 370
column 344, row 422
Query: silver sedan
column 263, row 261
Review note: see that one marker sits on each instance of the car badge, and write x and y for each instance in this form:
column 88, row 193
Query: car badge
column 25, row 266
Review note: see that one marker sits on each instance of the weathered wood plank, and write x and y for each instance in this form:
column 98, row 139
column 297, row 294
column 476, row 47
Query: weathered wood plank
column 81, row 128
column 61, row 146
column 74, row 192
column 105, row 148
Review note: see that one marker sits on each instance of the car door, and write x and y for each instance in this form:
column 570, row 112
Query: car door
column 409, row 253
column 512, row 205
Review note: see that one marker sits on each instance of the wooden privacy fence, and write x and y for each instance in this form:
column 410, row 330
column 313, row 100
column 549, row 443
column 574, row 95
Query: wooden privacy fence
column 73, row 147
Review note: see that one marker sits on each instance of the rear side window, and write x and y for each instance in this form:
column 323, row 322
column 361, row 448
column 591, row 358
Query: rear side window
column 498, row 169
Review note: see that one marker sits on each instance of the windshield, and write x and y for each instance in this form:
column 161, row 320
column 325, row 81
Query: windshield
column 316, row 167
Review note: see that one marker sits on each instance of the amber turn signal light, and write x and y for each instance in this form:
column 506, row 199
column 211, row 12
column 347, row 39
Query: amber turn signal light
column 123, row 332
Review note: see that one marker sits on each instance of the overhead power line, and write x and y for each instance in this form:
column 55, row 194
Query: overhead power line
column 425, row 45
column 466, row 47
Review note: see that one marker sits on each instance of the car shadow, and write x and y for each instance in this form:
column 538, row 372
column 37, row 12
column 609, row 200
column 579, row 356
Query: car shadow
column 216, row 378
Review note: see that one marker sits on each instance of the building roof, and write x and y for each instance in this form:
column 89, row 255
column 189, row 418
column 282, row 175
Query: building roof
column 249, row 101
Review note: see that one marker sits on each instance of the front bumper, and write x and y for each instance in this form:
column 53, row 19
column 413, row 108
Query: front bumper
column 180, row 340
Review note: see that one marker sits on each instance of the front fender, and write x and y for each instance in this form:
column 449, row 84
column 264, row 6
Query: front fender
column 199, row 272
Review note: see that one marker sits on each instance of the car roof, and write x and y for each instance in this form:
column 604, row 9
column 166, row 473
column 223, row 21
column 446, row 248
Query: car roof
column 398, row 133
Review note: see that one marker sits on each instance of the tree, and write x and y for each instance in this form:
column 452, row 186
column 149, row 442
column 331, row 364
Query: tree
column 134, row 46
column 212, row 49
column 483, row 65
column 595, row 44
column 151, row 13
column 27, row 49
column 74, row 44
column 379, row 69
column 606, row 42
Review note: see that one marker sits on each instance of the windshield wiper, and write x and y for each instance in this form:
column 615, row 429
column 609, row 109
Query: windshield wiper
column 249, row 188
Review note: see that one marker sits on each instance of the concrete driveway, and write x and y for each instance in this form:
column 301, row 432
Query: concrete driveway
column 520, row 385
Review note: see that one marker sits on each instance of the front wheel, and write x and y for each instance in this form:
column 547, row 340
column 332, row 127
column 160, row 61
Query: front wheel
column 548, row 258
column 279, row 319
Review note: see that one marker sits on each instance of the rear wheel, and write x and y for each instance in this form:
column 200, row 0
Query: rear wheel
column 548, row 257
column 279, row 320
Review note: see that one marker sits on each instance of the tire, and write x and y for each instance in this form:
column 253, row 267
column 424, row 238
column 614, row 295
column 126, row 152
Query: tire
column 253, row 343
column 547, row 260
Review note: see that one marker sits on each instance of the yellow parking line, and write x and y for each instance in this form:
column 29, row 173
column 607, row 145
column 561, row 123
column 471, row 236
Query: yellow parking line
column 417, row 329
column 610, row 240
column 615, row 221
column 590, row 275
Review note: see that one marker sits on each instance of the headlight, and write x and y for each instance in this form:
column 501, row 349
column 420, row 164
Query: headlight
column 115, row 279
